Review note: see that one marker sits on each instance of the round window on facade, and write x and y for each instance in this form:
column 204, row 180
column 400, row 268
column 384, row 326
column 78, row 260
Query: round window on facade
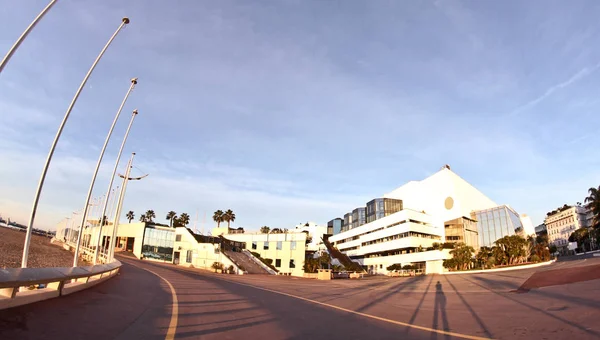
column 449, row 203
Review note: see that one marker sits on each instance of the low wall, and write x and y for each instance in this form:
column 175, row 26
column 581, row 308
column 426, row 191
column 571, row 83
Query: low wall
column 47, row 283
column 525, row 266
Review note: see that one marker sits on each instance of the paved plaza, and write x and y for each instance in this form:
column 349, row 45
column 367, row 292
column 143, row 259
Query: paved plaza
column 138, row 304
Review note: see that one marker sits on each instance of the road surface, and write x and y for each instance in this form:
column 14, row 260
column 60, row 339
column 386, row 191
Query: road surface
column 139, row 304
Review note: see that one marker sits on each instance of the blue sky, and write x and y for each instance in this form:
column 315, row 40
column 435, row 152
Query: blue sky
column 288, row 111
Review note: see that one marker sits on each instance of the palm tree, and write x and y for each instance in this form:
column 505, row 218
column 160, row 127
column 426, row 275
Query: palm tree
column 593, row 203
column 143, row 218
column 218, row 217
column 265, row 229
column 130, row 216
column 228, row 217
column 150, row 215
column 184, row 219
column 170, row 216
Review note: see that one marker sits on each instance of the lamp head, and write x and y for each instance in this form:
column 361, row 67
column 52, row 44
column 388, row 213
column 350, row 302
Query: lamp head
column 135, row 112
column 126, row 20
column 134, row 80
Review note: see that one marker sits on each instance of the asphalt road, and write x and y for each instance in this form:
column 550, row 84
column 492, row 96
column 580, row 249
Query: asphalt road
column 138, row 304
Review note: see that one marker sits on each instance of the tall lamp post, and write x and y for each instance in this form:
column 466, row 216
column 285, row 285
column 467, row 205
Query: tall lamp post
column 14, row 47
column 110, row 184
column 38, row 191
column 91, row 188
column 126, row 179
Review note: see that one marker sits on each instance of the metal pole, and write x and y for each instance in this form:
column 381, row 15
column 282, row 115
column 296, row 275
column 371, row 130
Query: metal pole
column 38, row 192
column 13, row 49
column 91, row 188
column 111, row 216
column 133, row 114
column 112, row 243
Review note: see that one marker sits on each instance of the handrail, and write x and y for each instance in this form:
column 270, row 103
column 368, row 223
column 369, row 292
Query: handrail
column 51, row 282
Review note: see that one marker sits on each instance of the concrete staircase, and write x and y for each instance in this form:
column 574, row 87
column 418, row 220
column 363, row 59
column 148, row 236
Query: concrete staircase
column 343, row 258
column 242, row 259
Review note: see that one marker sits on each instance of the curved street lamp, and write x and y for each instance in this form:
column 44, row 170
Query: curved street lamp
column 38, row 191
column 91, row 188
column 14, row 47
column 126, row 179
column 112, row 177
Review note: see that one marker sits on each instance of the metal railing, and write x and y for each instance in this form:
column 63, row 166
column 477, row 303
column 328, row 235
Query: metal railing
column 20, row 286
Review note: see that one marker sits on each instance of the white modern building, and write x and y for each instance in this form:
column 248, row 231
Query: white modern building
column 286, row 250
column 400, row 238
column 315, row 235
column 442, row 200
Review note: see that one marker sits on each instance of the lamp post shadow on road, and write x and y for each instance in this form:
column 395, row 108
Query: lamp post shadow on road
column 38, row 192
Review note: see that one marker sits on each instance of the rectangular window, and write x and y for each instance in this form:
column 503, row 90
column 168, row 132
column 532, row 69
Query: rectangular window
column 292, row 264
column 178, row 238
column 293, row 245
column 277, row 263
column 266, row 245
column 253, row 244
column 188, row 256
column 279, row 245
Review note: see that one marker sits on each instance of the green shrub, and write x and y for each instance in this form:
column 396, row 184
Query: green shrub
column 395, row 266
column 535, row 258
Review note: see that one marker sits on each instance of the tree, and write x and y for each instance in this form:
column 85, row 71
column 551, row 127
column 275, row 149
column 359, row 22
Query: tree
column 103, row 221
column 171, row 215
column 150, row 215
column 265, row 229
column 276, row 231
column 184, row 219
column 582, row 237
column 143, row 218
column 311, row 265
column 483, row 258
column 437, row 246
column 593, row 203
column 542, row 238
column 218, row 217
column 228, row 217
column 324, row 260
column 462, row 255
column 130, row 216
column 217, row 265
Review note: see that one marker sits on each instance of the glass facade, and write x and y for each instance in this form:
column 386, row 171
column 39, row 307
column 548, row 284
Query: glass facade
column 495, row 223
column 381, row 207
column 335, row 226
column 347, row 222
column 158, row 243
column 358, row 217
column 462, row 230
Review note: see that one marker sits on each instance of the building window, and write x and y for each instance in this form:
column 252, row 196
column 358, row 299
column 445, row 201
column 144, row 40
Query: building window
column 178, row 238
column 380, row 266
column 188, row 256
column 279, row 245
column 266, row 245
column 254, row 245
column 293, row 245
column 292, row 264
column 277, row 263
